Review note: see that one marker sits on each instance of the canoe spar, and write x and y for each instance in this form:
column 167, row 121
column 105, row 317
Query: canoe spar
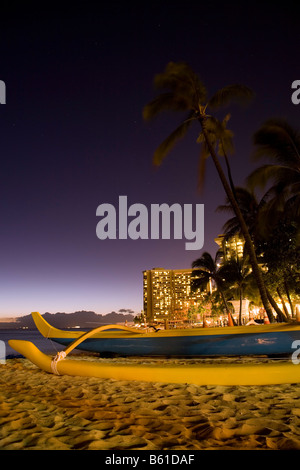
column 62, row 354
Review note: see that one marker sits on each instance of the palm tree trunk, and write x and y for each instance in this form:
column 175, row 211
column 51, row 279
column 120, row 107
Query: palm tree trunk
column 204, row 320
column 280, row 314
column 224, row 300
column 289, row 298
column 256, row 270
column 230, row 319
column 241, row 306
column 229, row 173
column 283, row 302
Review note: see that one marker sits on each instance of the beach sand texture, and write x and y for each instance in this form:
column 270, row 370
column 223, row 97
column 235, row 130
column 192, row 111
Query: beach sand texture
column 43, row 411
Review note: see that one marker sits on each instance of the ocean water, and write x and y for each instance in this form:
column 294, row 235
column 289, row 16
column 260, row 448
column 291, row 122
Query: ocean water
column 45, row 345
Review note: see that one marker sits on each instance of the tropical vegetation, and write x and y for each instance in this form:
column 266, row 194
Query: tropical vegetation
column 207, row 270
column 268, row 225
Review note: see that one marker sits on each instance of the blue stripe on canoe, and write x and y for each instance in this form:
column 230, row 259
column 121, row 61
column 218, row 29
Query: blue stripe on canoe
column 207, row 345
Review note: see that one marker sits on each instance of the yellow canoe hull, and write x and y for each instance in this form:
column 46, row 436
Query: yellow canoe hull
column 198, row 374
column 275, row 339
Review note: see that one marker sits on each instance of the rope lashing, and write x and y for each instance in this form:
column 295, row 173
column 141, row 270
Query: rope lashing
column 85, row 335
column 59, row 356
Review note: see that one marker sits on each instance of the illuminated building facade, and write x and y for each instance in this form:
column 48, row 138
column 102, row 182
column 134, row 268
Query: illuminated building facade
column 167, row 294
column 232, row 247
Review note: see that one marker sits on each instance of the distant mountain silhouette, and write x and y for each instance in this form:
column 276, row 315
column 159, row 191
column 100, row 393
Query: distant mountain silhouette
column 83, row 319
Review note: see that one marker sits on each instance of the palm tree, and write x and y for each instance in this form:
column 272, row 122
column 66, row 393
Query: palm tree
column 237, row 272
column 280, row 143
column 256, row 216
column 208, row 269
column 280, row 253
column 252, row 211
column 186, row 93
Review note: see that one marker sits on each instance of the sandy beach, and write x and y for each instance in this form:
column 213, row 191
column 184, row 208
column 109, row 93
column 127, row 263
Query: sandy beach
column 42, row 411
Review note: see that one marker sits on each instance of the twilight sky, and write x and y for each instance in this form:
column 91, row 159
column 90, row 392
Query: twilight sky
column 73, row 137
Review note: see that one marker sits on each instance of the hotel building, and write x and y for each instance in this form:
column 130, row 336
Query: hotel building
column 232, row 247
column 167, row 294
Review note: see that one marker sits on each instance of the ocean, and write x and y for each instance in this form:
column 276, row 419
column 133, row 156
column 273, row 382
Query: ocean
column 45, row 345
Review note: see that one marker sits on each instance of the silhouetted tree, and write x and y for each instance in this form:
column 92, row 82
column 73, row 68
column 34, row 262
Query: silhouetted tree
column 185, row 92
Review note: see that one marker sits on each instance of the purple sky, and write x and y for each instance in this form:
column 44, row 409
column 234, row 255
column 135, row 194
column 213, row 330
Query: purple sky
column 73, row 137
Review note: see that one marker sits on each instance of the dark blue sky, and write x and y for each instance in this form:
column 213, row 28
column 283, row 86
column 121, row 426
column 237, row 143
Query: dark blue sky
column 73, row 137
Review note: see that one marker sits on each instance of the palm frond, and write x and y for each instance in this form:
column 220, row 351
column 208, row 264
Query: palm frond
column 224, row 208
column 231, row 93
column 251, row 209
column 226, row 143
column 231, row 229
column 270, row 215
column 246, row 199
column 181, row 79
column 224, row 136
column 277, row 140
column 262, row 175
column 166, row 146
column 175, row 76
column 206, row 262
column 284, row 182
column 199, row 279
column 165, row 102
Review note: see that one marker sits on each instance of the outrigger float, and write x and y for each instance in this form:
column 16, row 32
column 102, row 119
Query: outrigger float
column 230, row 341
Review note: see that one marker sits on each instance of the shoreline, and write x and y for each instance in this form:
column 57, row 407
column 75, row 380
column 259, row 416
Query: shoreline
column 40, row 411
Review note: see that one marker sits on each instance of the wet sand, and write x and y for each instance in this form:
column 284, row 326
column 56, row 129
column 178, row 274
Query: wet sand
column 42, row 411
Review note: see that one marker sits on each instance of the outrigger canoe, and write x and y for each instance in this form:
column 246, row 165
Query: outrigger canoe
column 273, row 340
column 170, row 372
